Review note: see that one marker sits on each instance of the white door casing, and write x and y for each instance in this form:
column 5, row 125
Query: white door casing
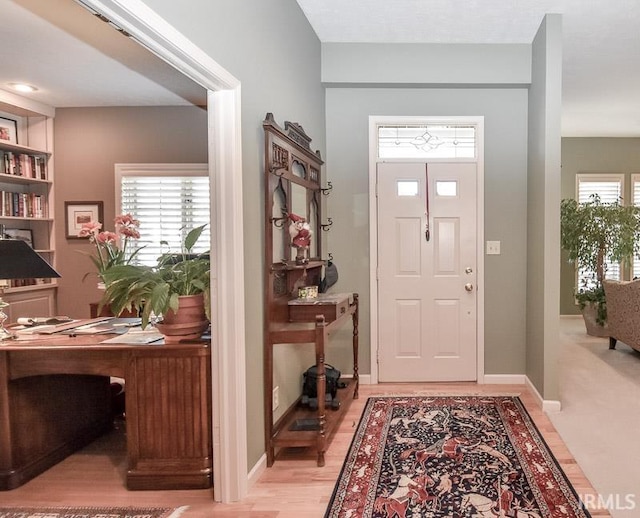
column 227, row 279
column 426, row 279
column 449, row 307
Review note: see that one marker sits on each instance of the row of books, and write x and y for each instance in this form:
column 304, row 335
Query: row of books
column 20, row 164
column 23, row 204
column 19, row 283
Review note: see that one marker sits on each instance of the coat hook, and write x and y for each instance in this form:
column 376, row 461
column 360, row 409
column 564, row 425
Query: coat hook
column 327, row 226
column 279, row 222
column 330, row 257
column 326, row 191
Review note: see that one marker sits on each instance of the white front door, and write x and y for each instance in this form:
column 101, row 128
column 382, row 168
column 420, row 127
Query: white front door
column 427, row 313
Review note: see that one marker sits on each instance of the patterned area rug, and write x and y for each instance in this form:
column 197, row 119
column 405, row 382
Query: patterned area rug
column 89, row 512
column 453, row 457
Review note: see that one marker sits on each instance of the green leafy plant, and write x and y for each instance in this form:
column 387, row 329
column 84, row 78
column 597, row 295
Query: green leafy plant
column 594, row 296
column 156, row 289
column 593, row 233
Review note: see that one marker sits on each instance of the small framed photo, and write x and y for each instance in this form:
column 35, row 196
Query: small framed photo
column 24, row 234
column 77, row 213
column 8, row 131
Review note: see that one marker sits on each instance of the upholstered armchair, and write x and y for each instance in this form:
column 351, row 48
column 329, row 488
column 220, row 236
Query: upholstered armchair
column 623, row 312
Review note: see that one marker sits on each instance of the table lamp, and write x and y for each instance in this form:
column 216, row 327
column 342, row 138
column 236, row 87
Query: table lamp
column 19, row 261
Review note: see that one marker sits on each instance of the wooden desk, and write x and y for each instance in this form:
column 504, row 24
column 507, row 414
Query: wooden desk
column 55, row 398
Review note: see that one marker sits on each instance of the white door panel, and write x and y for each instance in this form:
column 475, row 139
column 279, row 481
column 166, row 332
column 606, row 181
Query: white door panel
column 427, row 318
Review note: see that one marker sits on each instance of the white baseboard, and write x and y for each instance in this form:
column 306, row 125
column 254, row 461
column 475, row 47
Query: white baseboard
column 257, row 471
column 504, row 379
column 549, row 406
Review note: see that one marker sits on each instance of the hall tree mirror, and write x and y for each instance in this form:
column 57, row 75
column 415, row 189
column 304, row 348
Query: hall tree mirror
column 293, row 195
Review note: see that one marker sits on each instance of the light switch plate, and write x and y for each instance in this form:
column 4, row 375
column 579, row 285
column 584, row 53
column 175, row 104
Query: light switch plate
column 493, row 247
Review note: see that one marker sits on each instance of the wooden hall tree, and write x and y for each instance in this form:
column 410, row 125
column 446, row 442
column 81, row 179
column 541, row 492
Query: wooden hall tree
column 293, row 260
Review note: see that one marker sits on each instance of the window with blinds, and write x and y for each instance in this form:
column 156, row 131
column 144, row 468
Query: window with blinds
column 610, row 188
column 635, row 199
column 168, row 207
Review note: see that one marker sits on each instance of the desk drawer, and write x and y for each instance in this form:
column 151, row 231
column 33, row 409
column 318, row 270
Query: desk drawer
column 331, row 307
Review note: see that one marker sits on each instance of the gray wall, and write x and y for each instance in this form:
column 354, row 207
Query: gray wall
column 271, row 48
column 88, row 142
column 420, row 63
column 505, row 112
column 543, row 202
column 592, row 155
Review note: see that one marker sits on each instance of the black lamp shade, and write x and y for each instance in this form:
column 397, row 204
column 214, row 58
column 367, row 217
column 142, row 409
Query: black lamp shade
column 19, row 261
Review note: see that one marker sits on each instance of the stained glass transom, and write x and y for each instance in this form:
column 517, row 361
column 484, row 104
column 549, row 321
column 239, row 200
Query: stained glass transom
column 427, row 141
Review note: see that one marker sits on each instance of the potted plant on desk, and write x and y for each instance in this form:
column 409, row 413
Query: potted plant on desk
column 593, row 233
column 176, row 290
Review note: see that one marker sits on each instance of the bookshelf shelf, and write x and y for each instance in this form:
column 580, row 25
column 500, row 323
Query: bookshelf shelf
column 27, row 198
column 26, row 150
column 14, row 179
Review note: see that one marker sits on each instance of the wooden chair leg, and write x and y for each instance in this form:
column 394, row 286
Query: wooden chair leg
column 612, row 342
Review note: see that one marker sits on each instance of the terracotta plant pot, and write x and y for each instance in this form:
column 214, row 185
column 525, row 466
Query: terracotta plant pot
column 188, row 323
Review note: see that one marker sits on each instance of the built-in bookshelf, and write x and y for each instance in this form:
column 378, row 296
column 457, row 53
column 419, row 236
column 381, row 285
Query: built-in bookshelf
column 26, row 196
column 26, row 182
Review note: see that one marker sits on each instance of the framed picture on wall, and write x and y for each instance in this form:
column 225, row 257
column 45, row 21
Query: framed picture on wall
column 77, row 213
column 8, row 131
column 24, row 234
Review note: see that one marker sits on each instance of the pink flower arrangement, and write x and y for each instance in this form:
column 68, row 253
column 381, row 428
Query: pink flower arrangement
column 111, row 247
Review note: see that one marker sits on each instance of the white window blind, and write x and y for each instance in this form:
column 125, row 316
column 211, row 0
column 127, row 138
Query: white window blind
column 610, row 188
column 168, row 207
column 635, row 199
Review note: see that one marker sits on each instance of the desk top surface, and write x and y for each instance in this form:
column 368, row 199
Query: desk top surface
column 93, row 342
column 102, row 333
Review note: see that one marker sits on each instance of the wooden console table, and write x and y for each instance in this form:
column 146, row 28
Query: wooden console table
column 284, row 432
column 55, row 398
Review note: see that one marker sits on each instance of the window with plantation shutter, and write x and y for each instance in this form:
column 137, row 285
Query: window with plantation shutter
column 168, row 200
column 635, row 199
column 610, row 188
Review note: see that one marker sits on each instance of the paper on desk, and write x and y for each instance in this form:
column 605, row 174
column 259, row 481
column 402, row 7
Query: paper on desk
column 34, row 330
column 74, row 324
column 136, row 336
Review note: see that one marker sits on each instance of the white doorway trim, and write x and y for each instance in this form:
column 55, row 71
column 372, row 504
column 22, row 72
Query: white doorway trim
column 374, row 122
column 227, row 286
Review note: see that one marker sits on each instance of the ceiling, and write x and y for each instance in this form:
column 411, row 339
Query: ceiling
column 601, row 44
column 77, row 60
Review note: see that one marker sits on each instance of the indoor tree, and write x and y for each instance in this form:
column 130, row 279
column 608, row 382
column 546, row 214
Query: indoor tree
column 593, row 233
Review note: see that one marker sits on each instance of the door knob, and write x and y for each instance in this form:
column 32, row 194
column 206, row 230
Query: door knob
column 468, row 286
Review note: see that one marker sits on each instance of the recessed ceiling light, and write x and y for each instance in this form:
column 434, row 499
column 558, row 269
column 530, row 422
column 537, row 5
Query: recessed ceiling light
column 23, row 87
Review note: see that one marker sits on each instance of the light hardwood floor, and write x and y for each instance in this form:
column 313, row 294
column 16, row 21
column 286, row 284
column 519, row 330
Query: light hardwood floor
column 293, row 488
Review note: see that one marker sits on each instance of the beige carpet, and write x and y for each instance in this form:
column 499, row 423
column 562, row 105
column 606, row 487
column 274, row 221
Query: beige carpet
column 600, row 417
